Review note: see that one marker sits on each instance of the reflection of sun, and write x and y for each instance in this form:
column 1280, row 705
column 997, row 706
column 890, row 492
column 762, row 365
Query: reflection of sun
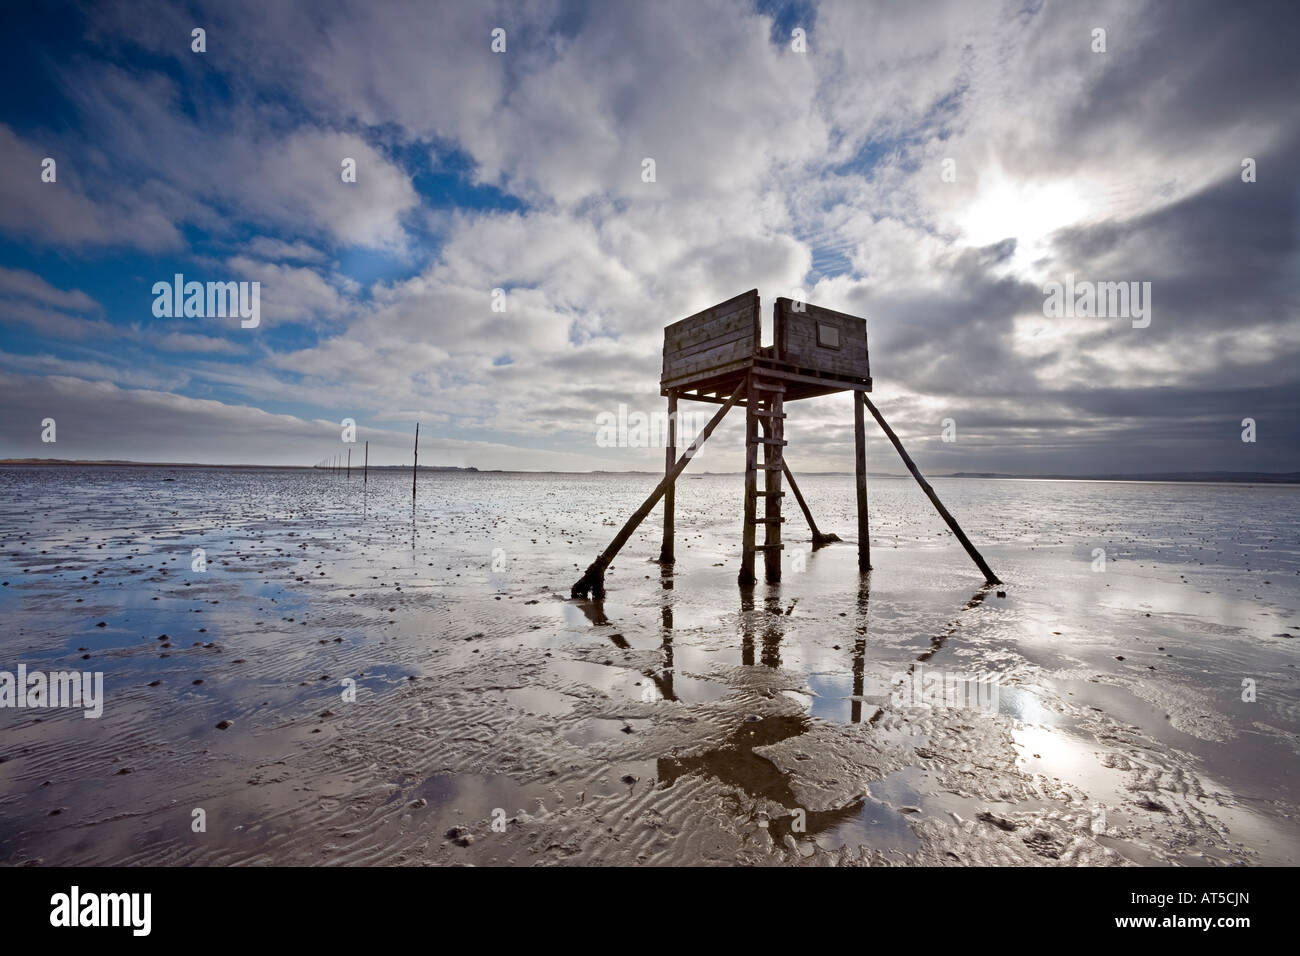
column 1061, row 755
column 1039, row 743
column 1028, row 211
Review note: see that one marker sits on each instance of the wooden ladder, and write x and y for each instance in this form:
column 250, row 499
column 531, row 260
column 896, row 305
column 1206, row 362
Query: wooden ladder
column 765, row 429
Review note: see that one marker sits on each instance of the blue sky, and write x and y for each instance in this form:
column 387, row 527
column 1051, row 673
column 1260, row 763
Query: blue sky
column 41, row 54
column 814, row 172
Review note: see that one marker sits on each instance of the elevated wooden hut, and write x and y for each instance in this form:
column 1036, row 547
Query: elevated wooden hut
column 717, row 356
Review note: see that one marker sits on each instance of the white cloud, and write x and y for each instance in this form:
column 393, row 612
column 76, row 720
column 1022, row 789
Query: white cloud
column 20, row 283
column 185, row 342
column 61, row 212
column 774, row 169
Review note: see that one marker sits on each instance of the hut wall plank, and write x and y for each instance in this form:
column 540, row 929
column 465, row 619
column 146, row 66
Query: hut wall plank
column 796, row 338
column 711, row 340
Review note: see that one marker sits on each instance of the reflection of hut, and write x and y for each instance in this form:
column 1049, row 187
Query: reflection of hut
column 716, row 356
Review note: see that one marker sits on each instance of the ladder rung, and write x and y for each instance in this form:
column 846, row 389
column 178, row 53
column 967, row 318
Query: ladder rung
column 769, row 467
column 769, row 547
column 771, row 441
column 769, row 521
column 771, row 494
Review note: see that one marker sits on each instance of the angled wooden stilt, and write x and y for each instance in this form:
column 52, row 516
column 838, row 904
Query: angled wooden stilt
column 592, row 582
column 818, row 539
column 670, row 496
column 860, row 457
column 975, row 556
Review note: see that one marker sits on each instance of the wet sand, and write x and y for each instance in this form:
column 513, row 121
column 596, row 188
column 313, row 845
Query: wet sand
column 679, row 721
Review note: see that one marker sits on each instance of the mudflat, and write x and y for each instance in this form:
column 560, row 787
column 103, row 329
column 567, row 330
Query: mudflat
column 340, row 678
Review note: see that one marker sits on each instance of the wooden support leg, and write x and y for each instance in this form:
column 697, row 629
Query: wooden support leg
column 773, row 463
column 975, row 556
column 764, row 426
column 860, row 446
column 670, row 496
column 592, row 582
column 746, row 576
column 818, row 539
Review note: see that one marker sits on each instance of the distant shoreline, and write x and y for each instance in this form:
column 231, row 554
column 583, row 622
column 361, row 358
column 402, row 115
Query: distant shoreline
column 1192, row 477
column 109, row 463
column 1201, row 477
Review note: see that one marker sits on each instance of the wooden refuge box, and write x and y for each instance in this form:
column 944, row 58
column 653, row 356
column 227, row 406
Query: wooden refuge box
column 817, row 351
column 717, row 356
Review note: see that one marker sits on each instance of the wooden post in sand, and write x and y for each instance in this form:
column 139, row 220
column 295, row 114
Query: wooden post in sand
column 416, row 466
column 592, row 582
column 666, row 555
column 365, row 469
column 349, row 462
column 975, row 556
column 860, row 468
column 746, row 576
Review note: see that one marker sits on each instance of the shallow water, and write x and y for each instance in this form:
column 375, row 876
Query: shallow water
column 678, row 721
